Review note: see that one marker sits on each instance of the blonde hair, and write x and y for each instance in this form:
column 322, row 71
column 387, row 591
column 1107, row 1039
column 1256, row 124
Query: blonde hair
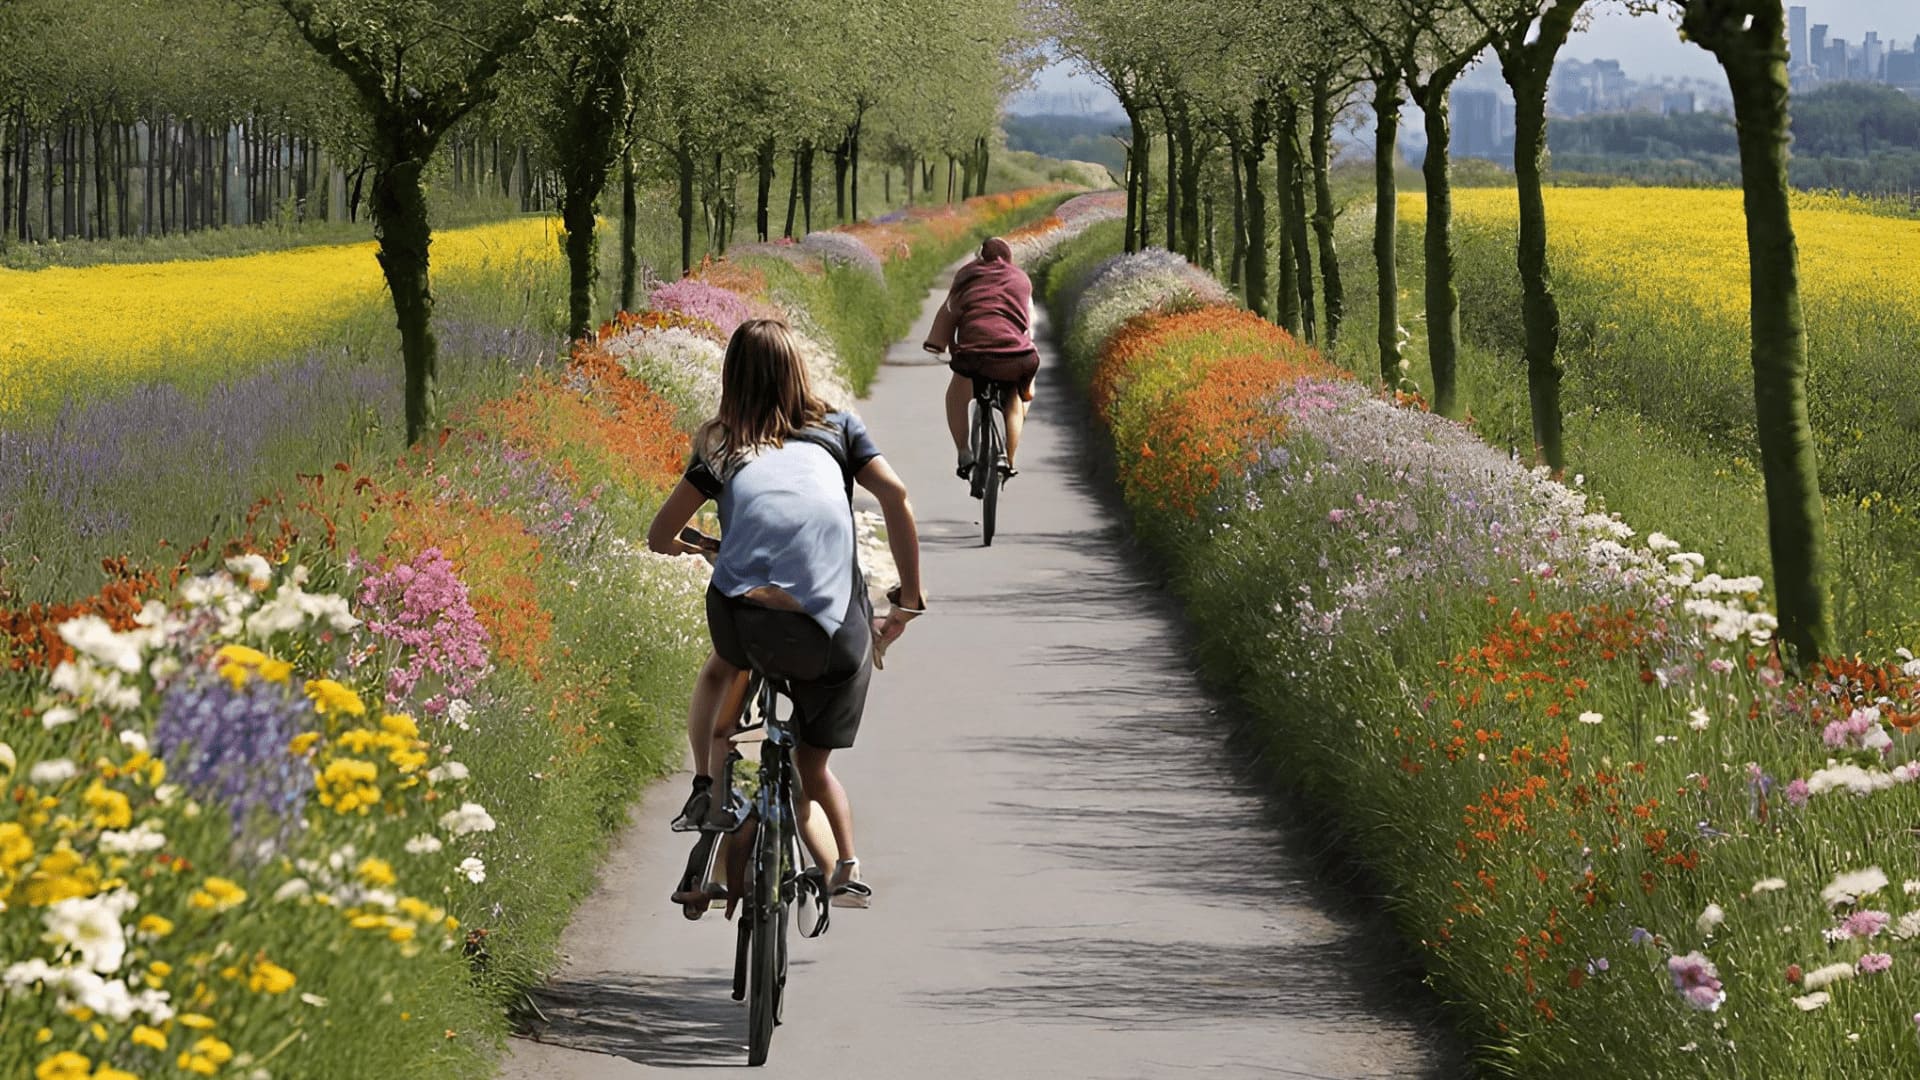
column 765, row 393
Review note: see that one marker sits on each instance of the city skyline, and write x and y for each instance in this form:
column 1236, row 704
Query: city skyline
column 1648, row 47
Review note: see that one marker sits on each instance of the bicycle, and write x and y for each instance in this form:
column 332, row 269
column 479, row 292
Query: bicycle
column 989, row 445
column 771, row 879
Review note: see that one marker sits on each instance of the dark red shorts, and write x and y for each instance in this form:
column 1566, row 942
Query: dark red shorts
column 1016, row 368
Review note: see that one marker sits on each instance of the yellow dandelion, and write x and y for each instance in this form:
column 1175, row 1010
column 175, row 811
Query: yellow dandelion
column 375, row 871
column 331, row 698
column 151, row 1038
column 217, row 894
column 65, row 1065
column 270, row 978
column 400, row 724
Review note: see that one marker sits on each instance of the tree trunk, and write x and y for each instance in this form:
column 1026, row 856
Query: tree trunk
column 1189, row 191
column 401, row 227
column 807, row 153
column 629, row 232
column 1386, row 222
column 1293, row 188
column 1539, row 312
column 986, row 162
column 793, row 194
column 840, row 180
column 763, row 189
column 1173, row 184
column 685, row 162
column 1256, row 253
column 1333, row 292
column 1750, row 44
column 949, row 177
column 1239, row 257
column 1443, row 298
column 853, row 162
column 1135, row 149
column 1143, row 153
column 1207, row 231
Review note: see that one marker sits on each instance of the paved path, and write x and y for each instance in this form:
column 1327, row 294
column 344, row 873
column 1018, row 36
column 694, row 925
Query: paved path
column 1070, row 880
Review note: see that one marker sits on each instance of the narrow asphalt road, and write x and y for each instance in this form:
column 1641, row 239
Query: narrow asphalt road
column 1072, row 880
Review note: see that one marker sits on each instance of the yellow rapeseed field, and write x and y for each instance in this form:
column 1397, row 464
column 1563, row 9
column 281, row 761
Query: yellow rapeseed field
column 1687, row 247
column 67, row 328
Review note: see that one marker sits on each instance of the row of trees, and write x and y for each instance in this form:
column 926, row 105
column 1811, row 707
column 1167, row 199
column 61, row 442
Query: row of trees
column 1262, row 82
column 135, row 116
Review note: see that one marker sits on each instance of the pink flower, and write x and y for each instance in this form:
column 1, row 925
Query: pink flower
column 1866, row 924
column 1797, row 792
column 1874, row 963
column 1697, row 980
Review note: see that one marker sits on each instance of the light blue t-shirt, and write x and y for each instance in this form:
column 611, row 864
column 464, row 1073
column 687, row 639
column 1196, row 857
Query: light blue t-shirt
column 784, row 517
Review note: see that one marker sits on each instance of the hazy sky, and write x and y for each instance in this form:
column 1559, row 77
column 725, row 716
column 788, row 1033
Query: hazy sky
column 1647, row 46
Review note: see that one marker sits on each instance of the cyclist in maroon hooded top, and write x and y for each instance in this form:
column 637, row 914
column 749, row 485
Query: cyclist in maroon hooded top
column 987, row 326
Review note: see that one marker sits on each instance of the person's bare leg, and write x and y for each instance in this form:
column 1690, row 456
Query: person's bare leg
column 1016, row 417
column 709, row 689
column 817, row 835
column 959, row 393
column 723, row 720
column 821, row 786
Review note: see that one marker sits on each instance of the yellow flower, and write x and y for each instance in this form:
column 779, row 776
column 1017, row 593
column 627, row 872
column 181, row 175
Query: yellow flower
column 367, row 922
column 65, row 1065
column 16, row 846
column 376, row 871
column 110, row 808
column 401, row 932
column 213, row 1050
column 400, row 724
column 153, row 1038
column 330, row 697
column 98, row 1030
column 238, row 663
column 303, row 742
column 197, row 1021
column 217, row 894
column 194, row 1063
column 155, row 926
column 62, row 874
column 407, row 761
column 270, row 978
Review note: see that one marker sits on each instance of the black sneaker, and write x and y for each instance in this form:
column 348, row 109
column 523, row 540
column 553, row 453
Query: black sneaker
column 964, row 470
column 694, row 814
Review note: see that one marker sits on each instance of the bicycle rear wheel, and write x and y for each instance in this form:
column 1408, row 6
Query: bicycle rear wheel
column 990, row 489
column 766, row 960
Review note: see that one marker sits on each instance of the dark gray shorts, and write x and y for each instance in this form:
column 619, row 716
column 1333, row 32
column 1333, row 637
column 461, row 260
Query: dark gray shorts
column 828, row 675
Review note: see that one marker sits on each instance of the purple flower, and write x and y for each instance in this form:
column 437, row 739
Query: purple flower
column 1866, row 924
column 1698, row 982
column 1797, row 793
column 1874, row 963
column 1597, row 965
column 231, row 745
column 1639, row 936
column 422, row 607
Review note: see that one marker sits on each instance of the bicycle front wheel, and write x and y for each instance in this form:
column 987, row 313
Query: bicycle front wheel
column 990, row 489
column 766, row 959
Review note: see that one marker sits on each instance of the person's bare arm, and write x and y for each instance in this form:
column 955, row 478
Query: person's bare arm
column 682, row 503
column 903, row 535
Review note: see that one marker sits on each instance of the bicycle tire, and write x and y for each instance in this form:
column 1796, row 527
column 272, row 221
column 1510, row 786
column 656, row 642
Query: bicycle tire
column 765, row 908
column 990, row 491
column 977, row 442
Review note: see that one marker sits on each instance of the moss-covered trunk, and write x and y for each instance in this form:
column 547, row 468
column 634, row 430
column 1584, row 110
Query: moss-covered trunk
column 1443, row 297
column 684, row 161
column 763, row 189
column 1539, row 311
column 1238, row 258
column 1294, row 189
column 1253, row 155
column 1333, row 292
column 1386, row 222
column 629, row 235
column 1749, row 39
column 404, row 235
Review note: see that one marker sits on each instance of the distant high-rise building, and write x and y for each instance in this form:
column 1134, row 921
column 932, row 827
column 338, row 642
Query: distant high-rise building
column 1679, row 101
column 1477, row 125
column 1817, row 45
column 1837, row 67
column 1871, row 55
column 1903, row 68
column 1798, row 56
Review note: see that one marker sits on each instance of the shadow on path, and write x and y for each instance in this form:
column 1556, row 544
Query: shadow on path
column 663, row 1021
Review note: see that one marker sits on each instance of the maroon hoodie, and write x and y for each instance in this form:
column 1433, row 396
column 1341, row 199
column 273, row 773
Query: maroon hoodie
column 989, row 309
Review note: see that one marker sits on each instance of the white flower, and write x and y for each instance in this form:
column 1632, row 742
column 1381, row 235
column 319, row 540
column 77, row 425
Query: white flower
column 1827, row 976
column 293, row 889
column 473, row 869
column 424, row 844
column 314, row 1000
column 451, row 770
column 1698, row 720
column 1815, row 1000
column 90, row 925
column 7, row 760
column 54, row 771
column 1851, row 887
column 138, row 840
column 1710, row 919
column 1848, row 777
column 1908, row 927
column 134, row 741
column 458, row 711
column 166, row 793
column 59, row 716
column 470, row 818
column 255, row 568
column 1591, row 718
column 1765, row 885
column 1911, row 886
column 155, row 1003
column 1876, row 739
column 91, row 637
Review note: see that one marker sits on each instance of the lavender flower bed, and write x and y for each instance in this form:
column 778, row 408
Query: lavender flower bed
column 840, row 249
